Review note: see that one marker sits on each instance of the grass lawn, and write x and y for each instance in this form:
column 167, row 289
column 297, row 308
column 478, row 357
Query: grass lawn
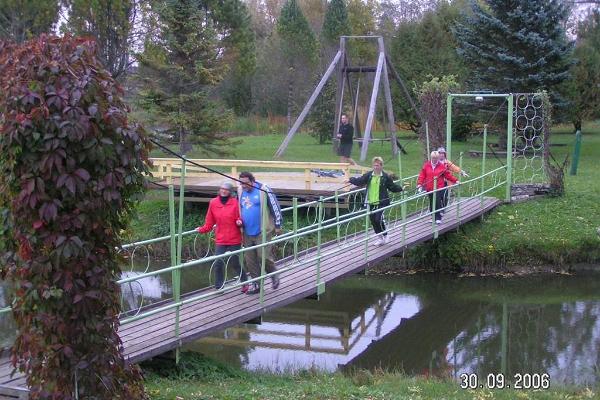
column 200, row 378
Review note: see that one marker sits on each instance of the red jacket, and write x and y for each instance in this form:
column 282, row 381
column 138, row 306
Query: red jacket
column 225, row 217
column 428, row 173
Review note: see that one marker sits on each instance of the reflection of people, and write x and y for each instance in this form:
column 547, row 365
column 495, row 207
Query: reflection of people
column 224, row 212
column 435, row 170
column 252, row 195
column 439, row 366
column 345, row 135
column 378, row 183
column 455, row 169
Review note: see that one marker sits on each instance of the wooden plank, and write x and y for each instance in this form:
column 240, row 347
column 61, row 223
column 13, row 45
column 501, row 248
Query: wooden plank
column 372, row 105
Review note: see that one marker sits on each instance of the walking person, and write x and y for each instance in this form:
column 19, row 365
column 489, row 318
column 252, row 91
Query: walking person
column 252, row 196
column 224, row 213
column 434, row 170
column 378, row 182
column 453, row 168
column 346, row 137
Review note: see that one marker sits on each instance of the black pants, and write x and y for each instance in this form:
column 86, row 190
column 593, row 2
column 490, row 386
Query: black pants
column 438, row 204
column 377, row 220
column 234, row 261
column 444, row 202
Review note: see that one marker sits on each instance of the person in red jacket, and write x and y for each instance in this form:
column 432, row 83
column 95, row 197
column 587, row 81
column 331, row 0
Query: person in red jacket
column 435, row 170
column 224, row 213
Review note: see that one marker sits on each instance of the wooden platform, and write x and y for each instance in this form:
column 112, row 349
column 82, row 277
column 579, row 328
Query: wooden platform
column 154, row 335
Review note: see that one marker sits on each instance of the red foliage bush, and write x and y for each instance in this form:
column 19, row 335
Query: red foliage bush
column 71, row 169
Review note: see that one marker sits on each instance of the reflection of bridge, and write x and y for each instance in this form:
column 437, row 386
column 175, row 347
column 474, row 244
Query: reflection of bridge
column 306, row 320
column 307, row 263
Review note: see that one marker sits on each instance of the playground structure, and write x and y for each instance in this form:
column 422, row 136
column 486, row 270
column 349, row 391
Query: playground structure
column 382, row 71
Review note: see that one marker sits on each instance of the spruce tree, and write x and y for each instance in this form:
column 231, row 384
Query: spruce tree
column 299, row 47
column 516, row 46
column 179, row 72
column 336, row 22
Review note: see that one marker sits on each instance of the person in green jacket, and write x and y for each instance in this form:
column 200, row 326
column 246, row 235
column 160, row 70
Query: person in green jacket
column 378, row 183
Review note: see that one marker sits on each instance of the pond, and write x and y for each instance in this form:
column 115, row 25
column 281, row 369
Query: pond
column 432, row 325
column 429, row 325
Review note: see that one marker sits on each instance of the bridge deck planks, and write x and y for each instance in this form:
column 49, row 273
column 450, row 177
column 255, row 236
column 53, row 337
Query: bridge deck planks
column 154, row 335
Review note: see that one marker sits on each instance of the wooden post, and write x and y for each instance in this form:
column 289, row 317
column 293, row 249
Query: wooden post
column 372, row 105
column 396, row 76
column 339, row 96
column 355, row 118
column 306, row 178
column 308, row 105
column 388, row 101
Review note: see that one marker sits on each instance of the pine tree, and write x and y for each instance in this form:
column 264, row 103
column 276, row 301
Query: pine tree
column 299, row 47
column 180, row 70
column 516, row 46
column 336, row 22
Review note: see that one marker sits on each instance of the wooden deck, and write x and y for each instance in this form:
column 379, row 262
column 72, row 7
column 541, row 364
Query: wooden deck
column 154, row 335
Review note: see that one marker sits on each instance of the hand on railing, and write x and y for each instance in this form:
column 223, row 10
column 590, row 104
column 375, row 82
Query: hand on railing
column 420, row 189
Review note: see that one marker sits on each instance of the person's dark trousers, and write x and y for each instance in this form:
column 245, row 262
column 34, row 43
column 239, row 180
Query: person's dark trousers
column 377, row 220
column 438, row 204
column 233, row 261
column 444, row 203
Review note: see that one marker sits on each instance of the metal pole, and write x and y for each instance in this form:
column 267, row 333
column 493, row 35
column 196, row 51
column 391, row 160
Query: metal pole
column 177, row 273
column 483, row 164
column 337, row 215
column 367, row 231
column 509, row 148
column 433, row 207
column 459, row 191
column 319, row 234
column 295, row 219
column 173, row 260
column 427, row 137
column 263, row 250
column 576, row 152
column 449, row 126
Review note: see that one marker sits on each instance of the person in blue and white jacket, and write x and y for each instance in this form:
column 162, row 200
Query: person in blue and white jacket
column 251, row 196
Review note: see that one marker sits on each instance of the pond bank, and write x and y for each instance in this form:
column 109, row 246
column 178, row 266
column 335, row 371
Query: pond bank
column 198, row 377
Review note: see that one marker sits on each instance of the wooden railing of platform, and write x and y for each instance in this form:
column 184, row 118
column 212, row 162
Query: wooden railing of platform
column 169, row 168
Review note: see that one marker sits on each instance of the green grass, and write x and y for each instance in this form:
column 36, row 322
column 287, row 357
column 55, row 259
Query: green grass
column 201, row 378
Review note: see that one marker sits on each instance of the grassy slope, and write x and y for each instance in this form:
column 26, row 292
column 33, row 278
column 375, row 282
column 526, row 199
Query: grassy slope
column 205, row 379
column 546, row 231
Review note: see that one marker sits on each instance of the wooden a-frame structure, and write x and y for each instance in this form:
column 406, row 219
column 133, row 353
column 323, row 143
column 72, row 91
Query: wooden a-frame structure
column 344, row 69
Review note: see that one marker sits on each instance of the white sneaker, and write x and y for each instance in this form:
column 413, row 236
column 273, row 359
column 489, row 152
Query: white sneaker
column 378, row 241
column 438, row 221
column 384, row 240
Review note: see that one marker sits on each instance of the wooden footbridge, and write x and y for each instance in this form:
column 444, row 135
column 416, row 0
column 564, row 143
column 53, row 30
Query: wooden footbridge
column 317, row 250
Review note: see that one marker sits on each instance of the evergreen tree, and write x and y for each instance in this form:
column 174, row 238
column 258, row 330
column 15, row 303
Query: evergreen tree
column 24, row 19
column 336, row 22
column 299, row 47
column 583, row 88
column 180, row 70
column 516, row 46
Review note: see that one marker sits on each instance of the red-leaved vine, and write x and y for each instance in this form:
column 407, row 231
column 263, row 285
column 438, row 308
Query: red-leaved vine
column 71, row 169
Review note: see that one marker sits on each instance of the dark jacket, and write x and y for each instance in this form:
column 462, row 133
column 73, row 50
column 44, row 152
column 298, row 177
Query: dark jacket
column 347, row 132
column 385, row 183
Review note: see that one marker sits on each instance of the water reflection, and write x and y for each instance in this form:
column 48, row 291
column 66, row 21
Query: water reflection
column 430, row 325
